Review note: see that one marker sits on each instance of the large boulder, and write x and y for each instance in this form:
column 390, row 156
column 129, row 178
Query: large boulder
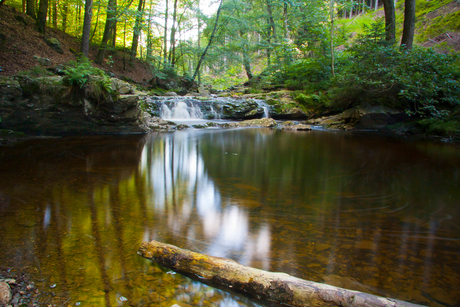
column 54, row 43
column 362, row 117
column 10, row 91
column 372, row 117
column 242, row 110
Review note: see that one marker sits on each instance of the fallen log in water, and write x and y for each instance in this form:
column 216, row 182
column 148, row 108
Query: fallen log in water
column 269, row 287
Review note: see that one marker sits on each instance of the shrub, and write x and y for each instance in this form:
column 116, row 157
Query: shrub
column 422, row 81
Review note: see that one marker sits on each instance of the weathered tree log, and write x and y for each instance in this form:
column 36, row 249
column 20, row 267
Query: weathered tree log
column 266, row 287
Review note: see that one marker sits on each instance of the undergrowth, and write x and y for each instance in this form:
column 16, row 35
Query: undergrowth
column 93, row 81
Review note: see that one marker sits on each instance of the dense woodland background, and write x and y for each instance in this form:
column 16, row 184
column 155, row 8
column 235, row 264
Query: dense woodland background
column 333, row 54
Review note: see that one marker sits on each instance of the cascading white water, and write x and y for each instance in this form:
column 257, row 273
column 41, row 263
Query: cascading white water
column 266, row 112
column 180, row 110
column 215, row 114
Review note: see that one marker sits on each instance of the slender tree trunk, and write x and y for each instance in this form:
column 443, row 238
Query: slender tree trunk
column 332, row 36
column 172, row 41
column 64, row 15
column 271, row 20
column 111, row 7
column 286, row 26
column 149, row 33
column 199, row 43
column 165, row 36
column 30, row 10
column 203, row 55
column 137, row 28
column 271, row 31
column 390, row 20
column 55, row 15
column 41, row 16
column 97, row 21
column 246, row 57
column 124, row 45
column 86, row 27
column 114, row 27
column 409, row 24
column 23, row 5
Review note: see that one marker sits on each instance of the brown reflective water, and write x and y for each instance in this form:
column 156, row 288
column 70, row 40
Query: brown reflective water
column 363, row 212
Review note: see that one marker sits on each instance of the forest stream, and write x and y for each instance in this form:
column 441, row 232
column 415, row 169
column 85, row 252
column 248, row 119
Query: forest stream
column 366, row 212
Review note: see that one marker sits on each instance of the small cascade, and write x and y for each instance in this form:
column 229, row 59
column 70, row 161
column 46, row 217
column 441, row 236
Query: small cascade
column 179, row 109
column 214, row 114
column 264, row 106
column 266, row 112
column 192, row 109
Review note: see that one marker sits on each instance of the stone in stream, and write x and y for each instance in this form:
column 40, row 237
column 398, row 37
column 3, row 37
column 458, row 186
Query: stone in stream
column 5, row 293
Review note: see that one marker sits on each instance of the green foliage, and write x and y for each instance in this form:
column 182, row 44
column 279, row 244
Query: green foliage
column 92, row 80
column 425, row 82
column 441, row 127
column 78, row 72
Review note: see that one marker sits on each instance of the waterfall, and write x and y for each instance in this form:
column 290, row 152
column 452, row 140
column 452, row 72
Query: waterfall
column 266, row 112
column 264, row 106
column 215, row 114
column 179, row 109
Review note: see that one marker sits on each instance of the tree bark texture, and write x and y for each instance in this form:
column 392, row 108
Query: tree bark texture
column 86, row 27
column 409, row 24
column 390, row 20
column 30, row 8
column 41, row 16
column 65, row 10
column 267, row 287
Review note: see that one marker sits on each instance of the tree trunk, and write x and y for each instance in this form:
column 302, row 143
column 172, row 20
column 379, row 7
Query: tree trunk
column 332, row 36
column 172, row 41
column 30, row 9
column 246, row 56
column 165, row 36
column 65, row 9
column 409, row 24
column 203, row 55
column 55, row 14
column 41, row 16
column 263, row 286
column 271, row 32
column 107, row 30
column 390, row 20
column 137, row 28
column 97, row 21
column 86, row 27
column 286, row 26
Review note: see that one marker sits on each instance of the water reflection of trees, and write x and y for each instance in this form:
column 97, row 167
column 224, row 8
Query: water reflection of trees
column 309, row 204
column 194, row 211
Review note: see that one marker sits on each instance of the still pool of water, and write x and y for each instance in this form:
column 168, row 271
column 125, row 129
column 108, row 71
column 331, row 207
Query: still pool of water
column 364, row 212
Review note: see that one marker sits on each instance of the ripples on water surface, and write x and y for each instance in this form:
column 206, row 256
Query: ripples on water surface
column 363, row 212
